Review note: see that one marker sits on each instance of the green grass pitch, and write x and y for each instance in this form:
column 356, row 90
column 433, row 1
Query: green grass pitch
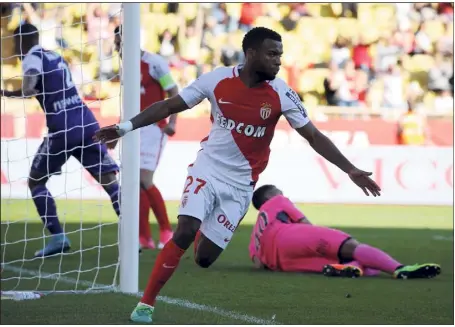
column 231, row 292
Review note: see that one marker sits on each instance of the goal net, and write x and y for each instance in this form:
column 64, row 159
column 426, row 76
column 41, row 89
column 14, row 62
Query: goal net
column 83, row 34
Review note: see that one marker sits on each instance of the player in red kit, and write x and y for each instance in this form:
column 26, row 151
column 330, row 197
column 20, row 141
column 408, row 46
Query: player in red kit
column 156, row 84
column 246, row 103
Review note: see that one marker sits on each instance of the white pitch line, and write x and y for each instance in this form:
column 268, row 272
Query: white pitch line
column 169, row 300
column 442, row 238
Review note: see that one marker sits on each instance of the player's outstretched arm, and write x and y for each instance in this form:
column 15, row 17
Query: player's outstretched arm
column 28, row 86
column 325, row 147
column 159, row 111
column 153, row 114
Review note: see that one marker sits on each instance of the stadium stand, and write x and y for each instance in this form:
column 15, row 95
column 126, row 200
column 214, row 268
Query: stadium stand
column 374, row 57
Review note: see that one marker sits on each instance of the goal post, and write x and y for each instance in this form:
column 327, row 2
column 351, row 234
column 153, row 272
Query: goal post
column 104, row 249
column 129, row 222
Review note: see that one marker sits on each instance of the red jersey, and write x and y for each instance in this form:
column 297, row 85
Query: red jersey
column 156, row 79
column 243, row 119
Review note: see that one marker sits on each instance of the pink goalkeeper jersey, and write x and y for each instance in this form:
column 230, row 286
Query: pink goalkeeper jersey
column 273, row 216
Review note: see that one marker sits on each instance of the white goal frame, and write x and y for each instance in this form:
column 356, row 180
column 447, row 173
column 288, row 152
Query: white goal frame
column 129, row 222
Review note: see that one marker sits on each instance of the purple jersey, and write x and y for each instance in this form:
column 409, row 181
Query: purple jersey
column 57, row 93
column 70, row 122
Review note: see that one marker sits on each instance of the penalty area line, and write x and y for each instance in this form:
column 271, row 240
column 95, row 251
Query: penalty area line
column 95, row 288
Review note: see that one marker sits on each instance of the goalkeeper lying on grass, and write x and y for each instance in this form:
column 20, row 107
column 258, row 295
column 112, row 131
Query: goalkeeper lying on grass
column 284, row 240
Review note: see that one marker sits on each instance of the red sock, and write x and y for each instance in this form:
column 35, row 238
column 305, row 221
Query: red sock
column 165, row 265
column 196, row 241
column 144, row 210
column 159, row 208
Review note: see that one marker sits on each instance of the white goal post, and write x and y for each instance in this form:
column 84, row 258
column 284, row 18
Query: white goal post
column 129, row 224
column 104, row 254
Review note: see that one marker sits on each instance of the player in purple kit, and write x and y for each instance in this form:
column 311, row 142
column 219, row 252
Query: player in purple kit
column 71, row 126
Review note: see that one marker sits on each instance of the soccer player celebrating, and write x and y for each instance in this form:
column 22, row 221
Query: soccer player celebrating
column 247, row 101
column 156, row 83
column 283, row 239
column 71, row 126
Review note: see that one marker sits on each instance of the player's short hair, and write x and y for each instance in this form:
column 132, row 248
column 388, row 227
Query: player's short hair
column 259, row 195
column 27, row 31
column 254, row 38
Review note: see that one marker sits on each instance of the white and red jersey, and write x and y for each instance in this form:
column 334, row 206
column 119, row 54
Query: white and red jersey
column 156, row 79
column 243, row 119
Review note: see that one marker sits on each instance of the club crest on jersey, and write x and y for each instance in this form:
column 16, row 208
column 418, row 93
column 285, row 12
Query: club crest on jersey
column 266, row 110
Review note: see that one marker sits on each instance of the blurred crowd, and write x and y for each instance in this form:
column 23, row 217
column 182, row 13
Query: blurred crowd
column 367, row 56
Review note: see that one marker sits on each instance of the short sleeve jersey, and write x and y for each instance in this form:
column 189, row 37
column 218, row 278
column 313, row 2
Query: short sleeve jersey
column 243, row 122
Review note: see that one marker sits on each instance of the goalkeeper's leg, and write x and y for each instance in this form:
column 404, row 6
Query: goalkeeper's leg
column 49, row 159
column 371, row 257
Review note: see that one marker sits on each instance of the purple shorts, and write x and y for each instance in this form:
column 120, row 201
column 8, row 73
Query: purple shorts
column 56, row 149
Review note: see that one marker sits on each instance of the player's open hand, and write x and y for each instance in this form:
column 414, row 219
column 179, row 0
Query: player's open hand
column 107, row 134
column 169, row 129
column 363, row 180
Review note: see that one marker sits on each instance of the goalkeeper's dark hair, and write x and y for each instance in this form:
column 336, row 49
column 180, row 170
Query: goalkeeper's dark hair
column 260, row 195
column 27, row 31
column 254, row 38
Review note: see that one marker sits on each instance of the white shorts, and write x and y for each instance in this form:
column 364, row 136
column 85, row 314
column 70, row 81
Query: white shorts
column 153, row 141
column 218, row 205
